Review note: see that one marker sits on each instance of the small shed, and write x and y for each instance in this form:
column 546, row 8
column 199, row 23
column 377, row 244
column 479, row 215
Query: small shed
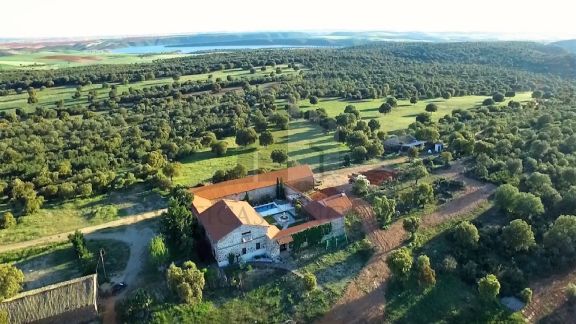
column 402, row 143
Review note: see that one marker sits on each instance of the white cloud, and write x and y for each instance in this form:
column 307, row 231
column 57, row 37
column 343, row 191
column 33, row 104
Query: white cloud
column 67, row 18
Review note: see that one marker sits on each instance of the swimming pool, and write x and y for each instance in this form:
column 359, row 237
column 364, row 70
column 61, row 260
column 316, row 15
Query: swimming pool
column 273, row 209
column 267, row 207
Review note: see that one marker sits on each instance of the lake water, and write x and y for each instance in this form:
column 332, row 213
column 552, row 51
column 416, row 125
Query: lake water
column 191, row 49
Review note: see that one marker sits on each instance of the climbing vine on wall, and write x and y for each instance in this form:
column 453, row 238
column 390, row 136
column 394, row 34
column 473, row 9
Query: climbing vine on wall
column 312, row 236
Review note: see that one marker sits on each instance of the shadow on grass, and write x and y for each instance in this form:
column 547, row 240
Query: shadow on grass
column 449, row 301
column 206, row 155
column 49, row 267
column 562, row 314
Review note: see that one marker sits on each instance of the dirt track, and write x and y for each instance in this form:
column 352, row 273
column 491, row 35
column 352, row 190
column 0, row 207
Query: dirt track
column 86, row 230
column 138, row 239
column 549, row 300
column 364, row 298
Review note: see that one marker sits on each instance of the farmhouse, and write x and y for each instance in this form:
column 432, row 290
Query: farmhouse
column 402, row 143
column 256, row 216
column 70, row 302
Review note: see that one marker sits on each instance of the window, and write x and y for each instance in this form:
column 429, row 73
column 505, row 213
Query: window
column 243, row 250
column 246, row 236
column 257, row 246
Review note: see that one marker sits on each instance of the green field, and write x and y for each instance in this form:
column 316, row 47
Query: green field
column 403, row 115
column 48, row 97
column 56, row 218
column 304, row 141
column 54, row 60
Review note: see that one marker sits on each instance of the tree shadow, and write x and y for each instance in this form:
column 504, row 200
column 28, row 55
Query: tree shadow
column 565, row 313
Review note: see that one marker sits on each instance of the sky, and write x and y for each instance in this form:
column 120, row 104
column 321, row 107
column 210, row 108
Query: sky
column 552, row 19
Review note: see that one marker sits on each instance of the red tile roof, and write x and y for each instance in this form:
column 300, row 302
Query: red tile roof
column 226, row 215
column 323, row 212
column 329, row 208
column 285, row 233
column 289, row 176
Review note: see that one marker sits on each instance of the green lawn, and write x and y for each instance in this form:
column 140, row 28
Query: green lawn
column 405, row 113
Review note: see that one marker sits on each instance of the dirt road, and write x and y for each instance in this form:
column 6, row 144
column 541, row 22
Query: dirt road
column 138, row 239
column 364, row 298
column 86, row 230
column 549, row 300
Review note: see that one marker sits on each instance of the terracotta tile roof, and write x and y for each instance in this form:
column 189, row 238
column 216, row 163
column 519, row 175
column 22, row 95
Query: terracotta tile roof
column 226, row 215
column 272, row 231
column 283, row 234
column 329, row 208
column 201, row 204
column 231, row 187
column 285, row 239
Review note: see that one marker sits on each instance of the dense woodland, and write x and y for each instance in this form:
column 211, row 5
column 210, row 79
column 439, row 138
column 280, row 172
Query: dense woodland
column 528, row 149
column 116, row 140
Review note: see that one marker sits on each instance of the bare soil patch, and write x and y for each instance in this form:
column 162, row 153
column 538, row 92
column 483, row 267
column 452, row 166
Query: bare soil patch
column 73, row 58
column 379, row 176
column 326, row 192
column 549, row 303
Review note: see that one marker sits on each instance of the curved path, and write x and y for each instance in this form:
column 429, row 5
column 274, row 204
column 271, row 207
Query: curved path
column 86, row 230
column 137, row 238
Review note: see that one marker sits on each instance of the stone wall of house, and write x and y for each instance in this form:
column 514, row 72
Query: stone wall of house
column 255, row 195
column 338, row 228
column 304, row 184
column 232, row 243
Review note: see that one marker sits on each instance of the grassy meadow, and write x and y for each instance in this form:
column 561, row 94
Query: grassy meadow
column 49, row 96
column 405, row 113
column 56, row 218
column 307, row 143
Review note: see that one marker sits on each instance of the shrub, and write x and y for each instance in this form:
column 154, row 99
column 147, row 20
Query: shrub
column 400, row 263
column 526, row 295
column 187, row 282
column 11, row 279
column 449, row 264
column 136, row 307
column 7, row 221
column 571, row 293
column 310, row 282
column 489, row 287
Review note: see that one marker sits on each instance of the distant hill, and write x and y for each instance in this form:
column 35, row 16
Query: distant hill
column 336, row 39
column 569, row 45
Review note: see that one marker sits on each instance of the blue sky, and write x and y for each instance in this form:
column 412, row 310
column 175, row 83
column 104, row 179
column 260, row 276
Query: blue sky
column 67, row 18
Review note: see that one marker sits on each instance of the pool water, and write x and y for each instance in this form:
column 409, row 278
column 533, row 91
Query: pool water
column 267, row 207
column 273, row 208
